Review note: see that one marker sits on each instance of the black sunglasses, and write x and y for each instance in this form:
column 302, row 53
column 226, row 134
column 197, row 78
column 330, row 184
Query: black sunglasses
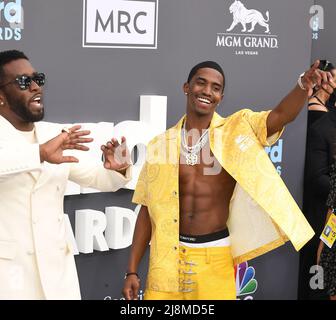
column 24, row 81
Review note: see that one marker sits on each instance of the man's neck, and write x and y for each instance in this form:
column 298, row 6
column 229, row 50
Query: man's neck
column 197, row 122
column 18, row 123
column 321, row 97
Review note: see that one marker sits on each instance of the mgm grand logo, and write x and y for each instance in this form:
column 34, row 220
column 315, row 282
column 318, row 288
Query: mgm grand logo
column 250, row 29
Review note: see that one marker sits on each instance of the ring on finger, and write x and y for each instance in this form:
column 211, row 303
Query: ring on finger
column 67, row 130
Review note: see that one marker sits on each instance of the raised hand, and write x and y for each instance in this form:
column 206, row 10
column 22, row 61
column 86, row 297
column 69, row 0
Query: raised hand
column 72, row 138
column 116, row 155
column 316, row 77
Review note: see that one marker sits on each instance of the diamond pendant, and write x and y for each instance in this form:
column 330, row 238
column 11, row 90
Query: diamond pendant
column 191, row 159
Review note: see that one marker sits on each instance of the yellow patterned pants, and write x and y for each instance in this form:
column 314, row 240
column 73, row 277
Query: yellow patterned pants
column 204, row 274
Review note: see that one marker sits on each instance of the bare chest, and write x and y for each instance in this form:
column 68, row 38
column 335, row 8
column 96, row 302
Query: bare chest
column 205, row 176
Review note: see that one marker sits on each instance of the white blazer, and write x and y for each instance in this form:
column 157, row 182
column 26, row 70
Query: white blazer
column 36, row 262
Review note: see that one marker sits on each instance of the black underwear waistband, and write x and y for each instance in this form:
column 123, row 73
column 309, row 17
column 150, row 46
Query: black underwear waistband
column 205, row 237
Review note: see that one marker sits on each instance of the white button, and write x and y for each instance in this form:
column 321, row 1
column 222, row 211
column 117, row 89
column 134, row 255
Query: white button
column 70, row 248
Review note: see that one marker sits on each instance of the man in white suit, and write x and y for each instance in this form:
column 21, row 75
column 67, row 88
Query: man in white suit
column 36, row 262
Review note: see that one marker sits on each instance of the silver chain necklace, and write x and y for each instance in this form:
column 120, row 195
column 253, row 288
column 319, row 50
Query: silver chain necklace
column 191, row 153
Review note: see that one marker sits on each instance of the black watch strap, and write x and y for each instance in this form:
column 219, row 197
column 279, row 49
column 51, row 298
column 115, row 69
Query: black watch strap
column 131, row 273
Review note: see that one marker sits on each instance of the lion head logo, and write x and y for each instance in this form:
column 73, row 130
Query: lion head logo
column 245, row 16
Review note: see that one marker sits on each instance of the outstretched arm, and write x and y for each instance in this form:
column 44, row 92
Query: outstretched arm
column 287, row 110
column 16, row 158
column 141, row 238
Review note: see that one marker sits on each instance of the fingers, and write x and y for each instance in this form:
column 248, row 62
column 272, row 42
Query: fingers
column 74, row 139
column 68, row 159
column 317, row 79
column 127, row 294
column 327, row 82
column 332, row 81
column 327, row 88
column 312, row 77
column 107, row 149
column 116, row 155
column 76, row 147
column 325, row 77
column 74, row 133
column 107, row 165
column 81, row 147
column 79, row 140
column 75, row 128
column 135, row 290
column 333, row 73
column 113, row 144
column 80, row 133
column 315, row 65
column 131, row 289
column 77, row 144
column 68, row 131
column 73, row 136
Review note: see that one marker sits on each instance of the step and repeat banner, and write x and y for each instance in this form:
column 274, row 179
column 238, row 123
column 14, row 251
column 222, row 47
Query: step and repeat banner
column 118, row 67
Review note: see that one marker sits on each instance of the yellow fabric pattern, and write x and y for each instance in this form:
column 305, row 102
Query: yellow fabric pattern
column 263, row 214
column 204, row 274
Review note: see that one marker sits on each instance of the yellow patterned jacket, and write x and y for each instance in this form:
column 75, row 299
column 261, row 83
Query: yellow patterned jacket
column 263, row 214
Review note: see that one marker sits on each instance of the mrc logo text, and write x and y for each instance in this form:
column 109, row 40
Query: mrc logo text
column 120, row 24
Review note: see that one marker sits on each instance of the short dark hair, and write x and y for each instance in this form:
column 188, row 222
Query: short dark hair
column 326, row 65
column 206, row 64
column 9, row 56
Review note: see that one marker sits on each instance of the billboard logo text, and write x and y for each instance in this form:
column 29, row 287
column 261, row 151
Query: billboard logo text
column 11, row 20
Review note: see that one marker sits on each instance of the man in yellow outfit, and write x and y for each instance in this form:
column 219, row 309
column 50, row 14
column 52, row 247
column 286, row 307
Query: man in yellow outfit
column 210, row 196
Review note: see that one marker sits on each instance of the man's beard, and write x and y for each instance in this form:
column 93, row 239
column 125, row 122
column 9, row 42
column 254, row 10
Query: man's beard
column 19, row 108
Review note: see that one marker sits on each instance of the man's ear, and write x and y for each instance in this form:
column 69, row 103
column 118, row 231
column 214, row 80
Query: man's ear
column 2, row 99
column 186, row 88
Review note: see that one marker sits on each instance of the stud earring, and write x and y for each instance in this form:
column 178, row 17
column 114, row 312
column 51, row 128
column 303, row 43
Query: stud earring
column 2, row 103
column 186, row 93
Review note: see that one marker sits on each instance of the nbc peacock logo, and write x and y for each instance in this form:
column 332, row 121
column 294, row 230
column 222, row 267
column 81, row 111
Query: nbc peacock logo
column 246, row 284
